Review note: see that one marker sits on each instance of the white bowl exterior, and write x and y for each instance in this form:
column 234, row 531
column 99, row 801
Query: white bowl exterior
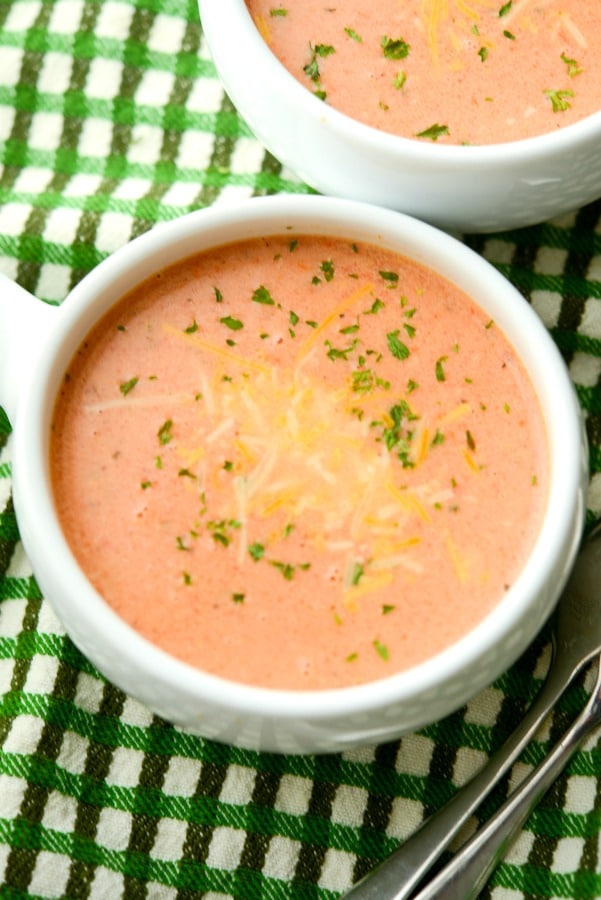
column 301, row 722
column 466, row 189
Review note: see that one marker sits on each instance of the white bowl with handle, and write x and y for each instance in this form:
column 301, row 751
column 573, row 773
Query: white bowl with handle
column 37, row 343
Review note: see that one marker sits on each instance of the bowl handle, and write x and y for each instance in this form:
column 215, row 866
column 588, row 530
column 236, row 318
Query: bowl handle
column 24, row 323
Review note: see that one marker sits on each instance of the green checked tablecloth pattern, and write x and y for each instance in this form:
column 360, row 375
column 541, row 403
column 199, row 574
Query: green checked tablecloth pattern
column 112, row 119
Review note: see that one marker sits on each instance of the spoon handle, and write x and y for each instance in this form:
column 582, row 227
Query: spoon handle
column 398, row 876
column 466, row 874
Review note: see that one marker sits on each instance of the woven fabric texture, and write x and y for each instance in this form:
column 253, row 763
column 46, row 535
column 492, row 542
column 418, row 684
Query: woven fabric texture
column 112, row 119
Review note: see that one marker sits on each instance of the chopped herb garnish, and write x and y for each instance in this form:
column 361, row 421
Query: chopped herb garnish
column 293, row 245
column 218, row 295
column 278, row 11
column 352, row 657
column 440, row 373
column 327, row 267
column 376, row 306
column 470, row 441
column 387, row 608
column 396, row 346
column 228, row 465
column 287, row 569
column 128, row 386
column 381, row 650
column 294, row 319
column 312, row 67
column 433, row 132
column 121, row 328
column 324, row 50
column 505, row 8
column 187, row 578
column 335, row 353
column 288, row 529
column 391, row 277
column 410, row 329
column 191, row 328
column 394, row 48
column 559, row 99
column 398, row 82
column 164, row 433
column 230, row 322
column 238, row 598
column 262, row 295
column 363, row 381
column 358, row 573
column 510, row 35
column 220, row 530
column 483, row 53
column 257, row 551
column 573, row 67
column 186, row 473
column 392, row 432
column 353, row 35
column 145, row 485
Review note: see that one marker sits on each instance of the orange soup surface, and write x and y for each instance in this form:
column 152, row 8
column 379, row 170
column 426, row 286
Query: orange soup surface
column 299, row 462
column 481, row 72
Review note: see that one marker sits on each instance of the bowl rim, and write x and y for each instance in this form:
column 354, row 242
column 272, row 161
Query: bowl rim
column 241, row 28
column 33, row 491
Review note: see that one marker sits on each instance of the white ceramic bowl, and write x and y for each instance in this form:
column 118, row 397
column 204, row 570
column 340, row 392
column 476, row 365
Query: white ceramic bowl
column 36, row 344
column 462, row 188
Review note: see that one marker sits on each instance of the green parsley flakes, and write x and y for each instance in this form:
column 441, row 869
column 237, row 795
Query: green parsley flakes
column 128, row 386
column 164, row 433
column 433, row 132
column 394, row 48
column 262, row 295
column 396, row 346
column 559, row 100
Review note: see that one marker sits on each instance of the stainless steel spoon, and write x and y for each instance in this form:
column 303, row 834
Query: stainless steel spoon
column 576, row 640
column 467, row 873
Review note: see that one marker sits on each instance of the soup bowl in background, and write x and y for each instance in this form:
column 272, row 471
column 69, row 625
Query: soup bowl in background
column 37, row 344
column 462, row 188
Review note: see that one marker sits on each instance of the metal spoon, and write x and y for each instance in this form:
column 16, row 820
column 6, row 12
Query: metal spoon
column 467, row 873
column 577, row 639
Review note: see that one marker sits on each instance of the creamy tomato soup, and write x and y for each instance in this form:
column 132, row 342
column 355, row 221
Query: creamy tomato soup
column 481, row 72
column 299, row 462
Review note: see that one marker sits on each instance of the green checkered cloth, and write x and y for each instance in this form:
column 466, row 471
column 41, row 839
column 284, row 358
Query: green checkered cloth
column 112, row 119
